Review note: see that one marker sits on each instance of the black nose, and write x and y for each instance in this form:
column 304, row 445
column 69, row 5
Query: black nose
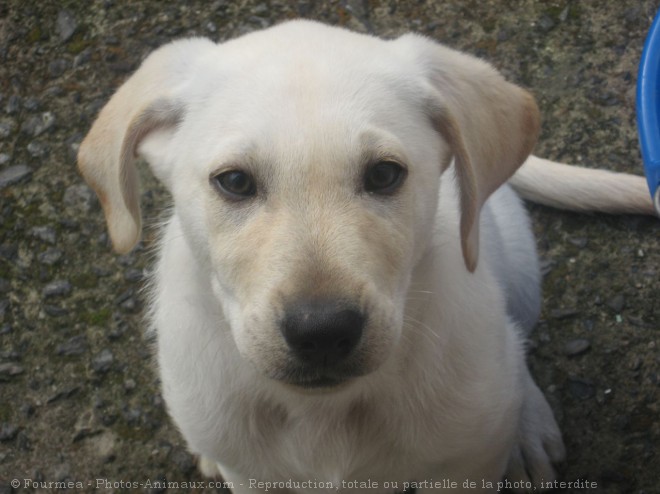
column 322, row 333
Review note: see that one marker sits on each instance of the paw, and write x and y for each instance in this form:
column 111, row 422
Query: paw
column 208, row 468
column 539, row 444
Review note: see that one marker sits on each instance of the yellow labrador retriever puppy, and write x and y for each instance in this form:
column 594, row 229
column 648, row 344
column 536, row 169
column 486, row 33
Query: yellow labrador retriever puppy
column 345, row 282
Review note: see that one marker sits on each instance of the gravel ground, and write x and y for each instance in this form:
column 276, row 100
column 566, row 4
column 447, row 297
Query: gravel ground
column 79, row 400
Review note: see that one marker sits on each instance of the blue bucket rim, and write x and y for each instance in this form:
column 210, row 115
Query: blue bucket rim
column 648, row 109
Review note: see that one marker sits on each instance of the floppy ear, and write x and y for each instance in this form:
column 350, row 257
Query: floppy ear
column 490, row 124
column 146, row 102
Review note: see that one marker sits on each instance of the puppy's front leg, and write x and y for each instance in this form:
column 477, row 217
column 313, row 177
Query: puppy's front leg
column 539, row 443
column 238, row 484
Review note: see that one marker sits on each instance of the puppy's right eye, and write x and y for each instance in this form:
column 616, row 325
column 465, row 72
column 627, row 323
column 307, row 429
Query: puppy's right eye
column 235, row 184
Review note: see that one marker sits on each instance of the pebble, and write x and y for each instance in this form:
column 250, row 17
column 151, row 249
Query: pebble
column 546, row 24
column 9, row 370
column 88, row 424
column 577, row 347
column 32, row 104
column 563, row 313
column 76, row 345
column 105, row 446
column 38, row 124
column 45, row 233
column 13, row 175
column 50, row 256
column 80, row 197
column 65, row 393
column 7, row 432
column 61, row 473
column 580, row 242
column 66, row 25
column 6, row 128
column 37, row 149
column 13, row 104
column 102, row 361
column 580, row 388
column 183, row 460
column 55, row 311
column 617, row 303
column 58, row 67
column 57, row 288
column 4, row 158
column 133, row 274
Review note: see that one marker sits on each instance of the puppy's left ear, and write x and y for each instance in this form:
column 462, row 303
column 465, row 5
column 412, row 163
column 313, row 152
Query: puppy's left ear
column 149, row 101
column 490, row 124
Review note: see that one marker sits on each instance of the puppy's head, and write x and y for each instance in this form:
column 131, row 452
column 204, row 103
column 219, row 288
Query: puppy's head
column 304, row 163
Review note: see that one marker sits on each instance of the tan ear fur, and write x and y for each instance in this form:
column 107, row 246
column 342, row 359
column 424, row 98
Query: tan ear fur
column 142, row 104
column 490, row 124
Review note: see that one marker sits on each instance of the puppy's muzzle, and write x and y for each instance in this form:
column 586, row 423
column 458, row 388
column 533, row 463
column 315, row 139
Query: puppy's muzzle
column 322, row 334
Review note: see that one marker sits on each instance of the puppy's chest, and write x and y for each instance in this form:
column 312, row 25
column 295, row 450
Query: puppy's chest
column 329, row 444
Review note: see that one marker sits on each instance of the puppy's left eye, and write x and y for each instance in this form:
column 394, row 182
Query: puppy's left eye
column 235, row 184
column 384, row 177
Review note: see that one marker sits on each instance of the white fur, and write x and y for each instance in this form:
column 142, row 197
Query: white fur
column 445, row 267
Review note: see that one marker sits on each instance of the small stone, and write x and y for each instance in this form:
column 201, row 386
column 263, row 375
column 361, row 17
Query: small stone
column 32, row 104
column 546, row 266
column 7, row 432
column 13, row 175
column 55, row 311
column 80, row 197
column 9, row 370
column 58, row 67
column 580, row 242
column 104, row 446
column 129, row 384
column 88, row 424
column 27, row 410
column 577, row 347
column 13, row 104
column 4, row 158
column 183, row 460
column 66, row 25
column 581, row 389
column 563, row 313
column 132, row 415
column 546, row 23
column 7, row 128
column 38, row 124
column 23, row 442
column 37, row 149
column 62, row 473
column 617, row 303
column 50, row 256
column 58, row 288
column 102, row 361
column 76, row 345
column 65, row 393
column 45, row 233
column 133, row 275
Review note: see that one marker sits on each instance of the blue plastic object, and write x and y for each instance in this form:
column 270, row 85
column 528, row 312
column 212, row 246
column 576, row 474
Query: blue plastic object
column 648, row 110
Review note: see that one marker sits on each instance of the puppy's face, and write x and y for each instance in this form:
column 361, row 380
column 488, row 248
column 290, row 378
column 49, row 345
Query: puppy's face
column 312, row 195
column 304, row 162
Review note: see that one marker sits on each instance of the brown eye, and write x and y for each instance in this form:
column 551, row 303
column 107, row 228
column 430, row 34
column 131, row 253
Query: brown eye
column 384, row 177
column 235, row 184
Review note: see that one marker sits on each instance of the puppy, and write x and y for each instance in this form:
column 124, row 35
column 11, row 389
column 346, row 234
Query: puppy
column 346, row 281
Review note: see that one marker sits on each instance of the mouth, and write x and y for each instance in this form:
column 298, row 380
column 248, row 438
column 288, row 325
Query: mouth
column 319, row 383
column 317, row 379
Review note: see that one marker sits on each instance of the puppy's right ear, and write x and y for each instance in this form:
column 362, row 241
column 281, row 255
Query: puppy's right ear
column 146, row 102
